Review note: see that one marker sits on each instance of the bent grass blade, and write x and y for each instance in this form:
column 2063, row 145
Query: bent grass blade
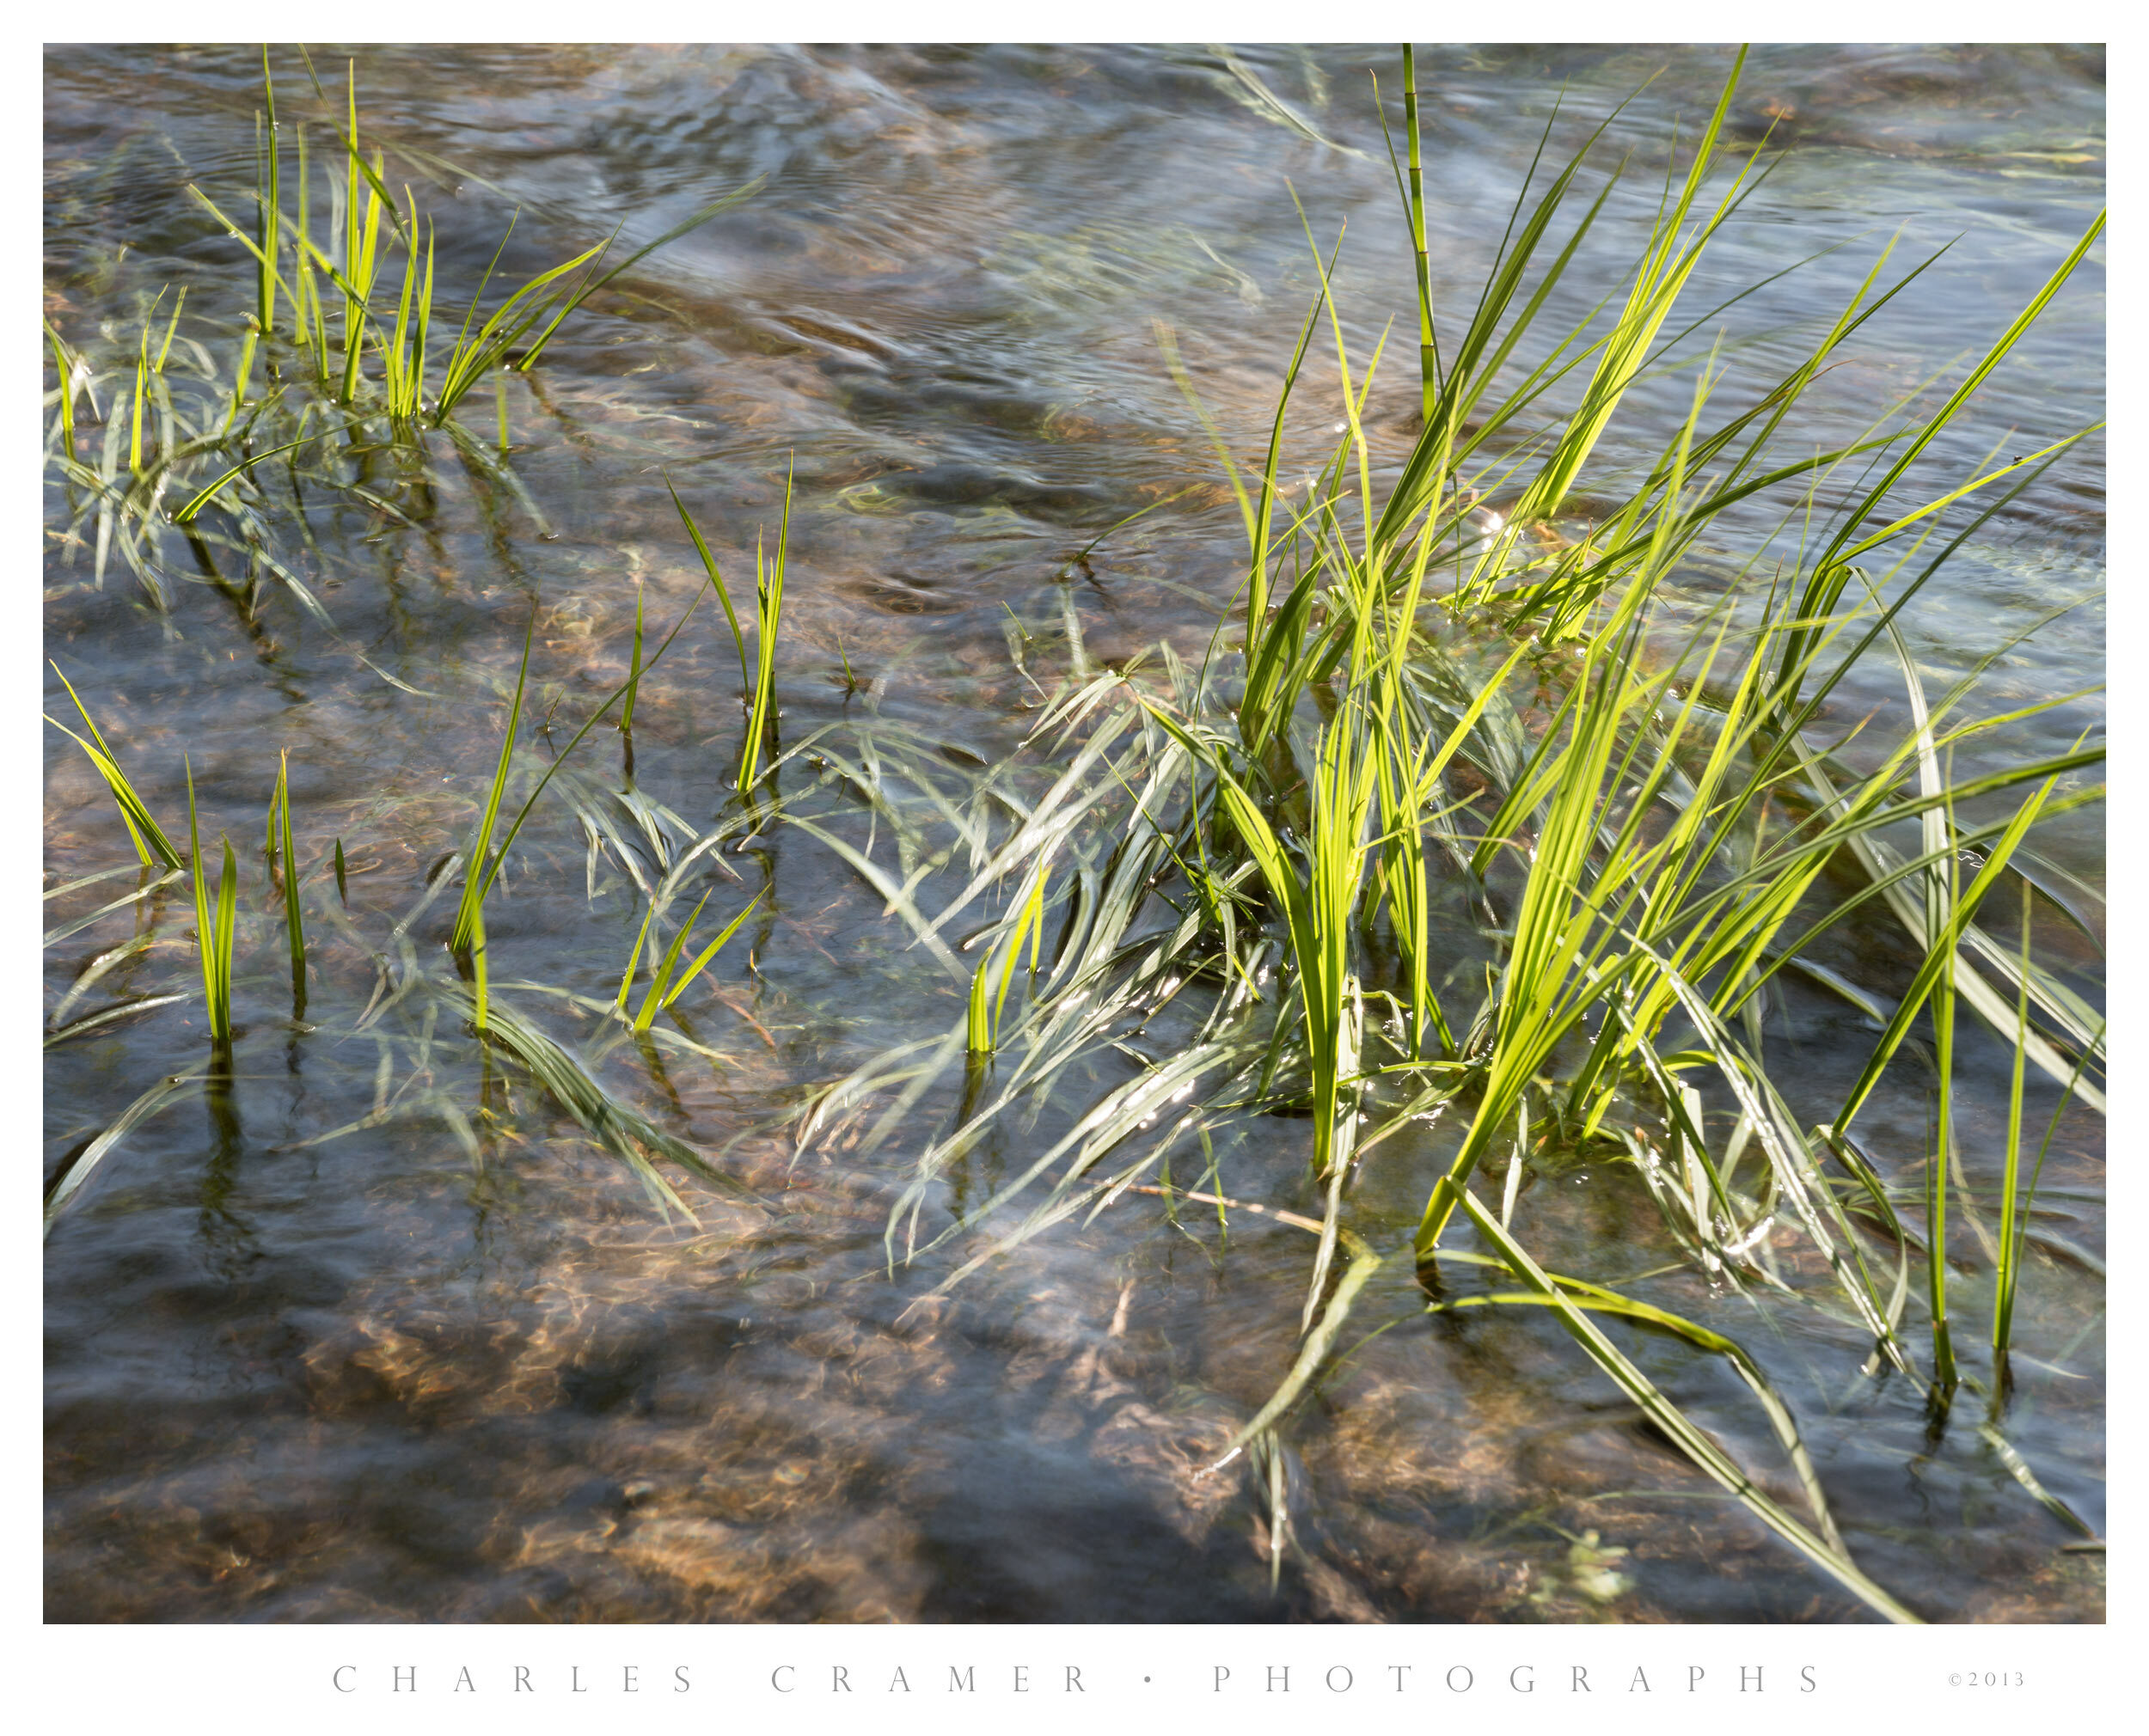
column 1829, row 1557
column 148, row 836
column 69, row 1183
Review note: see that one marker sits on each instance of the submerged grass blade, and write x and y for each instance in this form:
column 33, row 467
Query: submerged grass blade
column 629, row 1135
column 1705, row 1453
column 1312, row 1350
column 68, row 1182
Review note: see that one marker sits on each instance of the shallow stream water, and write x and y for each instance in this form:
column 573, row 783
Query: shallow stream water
column 375, row 1333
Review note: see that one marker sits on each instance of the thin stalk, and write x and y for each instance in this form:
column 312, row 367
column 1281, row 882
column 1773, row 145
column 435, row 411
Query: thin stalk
column 1944, row 1372
column 1428, row 354
column 634, row 683
column 467, row 937
column 306, row 312
column 294, row 923
column 141, row 399
column 360, row 247
column 2014, row 1217
column 761, row 726
column 270, row 197
column 64, row 377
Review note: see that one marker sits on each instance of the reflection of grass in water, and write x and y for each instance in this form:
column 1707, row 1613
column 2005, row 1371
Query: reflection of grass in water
column 1265, row 874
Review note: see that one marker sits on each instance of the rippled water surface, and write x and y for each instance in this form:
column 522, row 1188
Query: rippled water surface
column 376, row 1333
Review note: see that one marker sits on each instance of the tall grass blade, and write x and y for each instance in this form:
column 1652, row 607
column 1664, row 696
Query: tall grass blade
column 1832, row 571
column 269, row 198
column 758, row 679
column 466, row 941
column 761, row 723
column 2007, row 1273
column 294, row 922
column 1664, row 271
column 1428, row 345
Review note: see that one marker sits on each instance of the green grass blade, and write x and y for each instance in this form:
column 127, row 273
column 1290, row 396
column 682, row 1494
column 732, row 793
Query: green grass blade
column 213, row 923
column 702, row 958
column 736, row 196
column 142, row 828
column 654, row 996
column 476, row 854
column 716, row 582
column 1831, row 572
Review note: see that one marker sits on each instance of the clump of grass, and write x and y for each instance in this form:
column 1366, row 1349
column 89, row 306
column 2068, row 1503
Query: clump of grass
column 482, row 859
column 667, row 982
column 758, row 679
column 187, row 438
column 1246, row 864
column 634, row 689
column 183, row 441
column 1649, row 855
column 515, row 334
